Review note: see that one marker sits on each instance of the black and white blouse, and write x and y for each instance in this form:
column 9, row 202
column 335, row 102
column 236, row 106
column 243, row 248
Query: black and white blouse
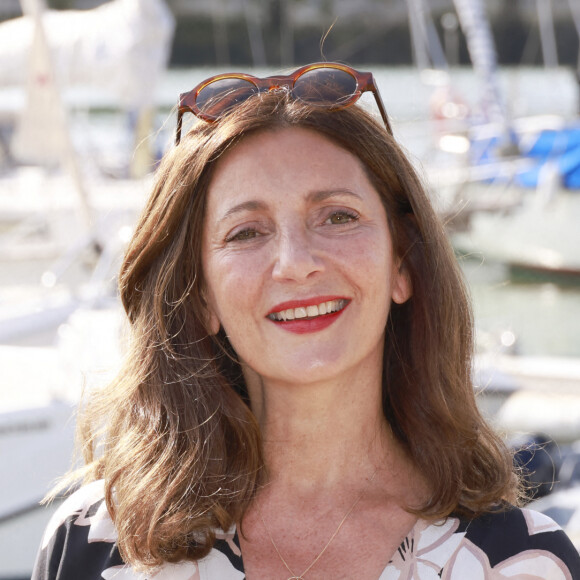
column 519, row 544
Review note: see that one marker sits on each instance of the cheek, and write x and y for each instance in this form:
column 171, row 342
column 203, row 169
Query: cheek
column 232, row 294
column 380, row 277
column 375, row 259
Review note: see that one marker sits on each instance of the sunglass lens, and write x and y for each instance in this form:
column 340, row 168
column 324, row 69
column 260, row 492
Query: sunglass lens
column 325, row 87
column 221, row 95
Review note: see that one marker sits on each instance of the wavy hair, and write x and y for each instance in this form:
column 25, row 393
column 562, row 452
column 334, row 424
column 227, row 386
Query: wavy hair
column 174, row 436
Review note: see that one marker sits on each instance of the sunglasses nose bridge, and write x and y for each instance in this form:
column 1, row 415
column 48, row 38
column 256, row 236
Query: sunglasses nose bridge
column 277, row 84
column 277, row 88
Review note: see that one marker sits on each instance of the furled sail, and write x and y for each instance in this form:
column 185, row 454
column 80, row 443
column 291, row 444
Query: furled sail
column 118, row 50
column 42, row 134
column 121, row 47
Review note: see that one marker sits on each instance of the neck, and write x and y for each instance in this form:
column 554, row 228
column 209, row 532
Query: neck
column 322, row 436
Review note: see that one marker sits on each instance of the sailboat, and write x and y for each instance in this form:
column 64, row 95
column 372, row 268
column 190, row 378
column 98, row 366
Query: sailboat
column 494, row 216
column 511, row 191
column 66, row 216
column 57, row 210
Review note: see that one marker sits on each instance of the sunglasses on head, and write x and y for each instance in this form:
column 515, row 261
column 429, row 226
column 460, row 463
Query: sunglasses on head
column 326, row 84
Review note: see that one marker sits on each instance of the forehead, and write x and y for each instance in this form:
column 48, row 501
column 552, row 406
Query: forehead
column 288, row 159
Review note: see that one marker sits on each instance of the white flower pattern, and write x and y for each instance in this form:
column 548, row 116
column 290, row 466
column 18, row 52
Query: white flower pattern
column 440, row 552
column 471, row 562
column 214, row 565
column 424, row 551
column 181, row 571
column 517, row 544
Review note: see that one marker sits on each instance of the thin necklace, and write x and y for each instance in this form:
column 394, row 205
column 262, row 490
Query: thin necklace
column 301, row 576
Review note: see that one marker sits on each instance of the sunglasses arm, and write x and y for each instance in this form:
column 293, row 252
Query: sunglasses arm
column 178, row 128
column 382, row 110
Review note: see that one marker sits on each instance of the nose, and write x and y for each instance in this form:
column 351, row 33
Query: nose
column 297, row 257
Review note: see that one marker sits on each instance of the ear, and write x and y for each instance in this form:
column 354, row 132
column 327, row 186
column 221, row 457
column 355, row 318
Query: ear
column 211, row 320
column 402, row 287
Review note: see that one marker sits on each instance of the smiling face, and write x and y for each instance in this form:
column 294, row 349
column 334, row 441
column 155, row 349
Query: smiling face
column 297, row 259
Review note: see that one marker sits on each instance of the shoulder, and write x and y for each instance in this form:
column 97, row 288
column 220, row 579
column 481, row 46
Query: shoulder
column 85, row 508
column 79, row 541
column 80, row 544
column 516, row 543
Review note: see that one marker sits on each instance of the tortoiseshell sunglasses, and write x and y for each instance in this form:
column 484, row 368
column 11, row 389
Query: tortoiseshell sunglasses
column 325, row 84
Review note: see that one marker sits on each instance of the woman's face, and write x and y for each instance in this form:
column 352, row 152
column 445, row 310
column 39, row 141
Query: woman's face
column 297, row 258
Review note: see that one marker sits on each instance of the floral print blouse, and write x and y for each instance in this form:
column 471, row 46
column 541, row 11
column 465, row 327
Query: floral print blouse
column 79, row 544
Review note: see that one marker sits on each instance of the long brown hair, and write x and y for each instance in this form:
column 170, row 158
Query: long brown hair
column 174, row 436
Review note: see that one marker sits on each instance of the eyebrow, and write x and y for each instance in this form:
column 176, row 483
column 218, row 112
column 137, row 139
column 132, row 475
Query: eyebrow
column 252, row 205
column 312, row 197
column 327, row 193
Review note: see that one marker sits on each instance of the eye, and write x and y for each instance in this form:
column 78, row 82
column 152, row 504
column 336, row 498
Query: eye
column 341, row 217
column 243, row 235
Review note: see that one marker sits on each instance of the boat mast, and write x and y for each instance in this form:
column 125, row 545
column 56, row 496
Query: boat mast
column 547, row 36
column 481, row 47
column 253, row 24
column 427, row 47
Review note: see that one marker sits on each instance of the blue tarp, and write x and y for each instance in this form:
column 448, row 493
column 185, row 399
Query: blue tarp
column 560, row 149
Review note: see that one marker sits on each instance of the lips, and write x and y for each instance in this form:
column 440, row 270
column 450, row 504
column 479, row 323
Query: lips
column 309, row 311
column 304, row 316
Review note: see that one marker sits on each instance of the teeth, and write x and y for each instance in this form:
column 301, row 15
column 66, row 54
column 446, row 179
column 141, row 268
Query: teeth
column 312, row 311
column 309, row 311
column 300, row 313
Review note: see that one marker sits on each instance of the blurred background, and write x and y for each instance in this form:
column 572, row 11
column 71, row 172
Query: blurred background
column 485, row 97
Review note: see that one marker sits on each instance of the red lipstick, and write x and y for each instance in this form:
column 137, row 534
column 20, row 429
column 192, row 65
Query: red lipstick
column 304, row 303
column 306, row 325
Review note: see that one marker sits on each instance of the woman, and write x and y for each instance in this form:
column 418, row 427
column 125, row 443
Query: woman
column 297, row 402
